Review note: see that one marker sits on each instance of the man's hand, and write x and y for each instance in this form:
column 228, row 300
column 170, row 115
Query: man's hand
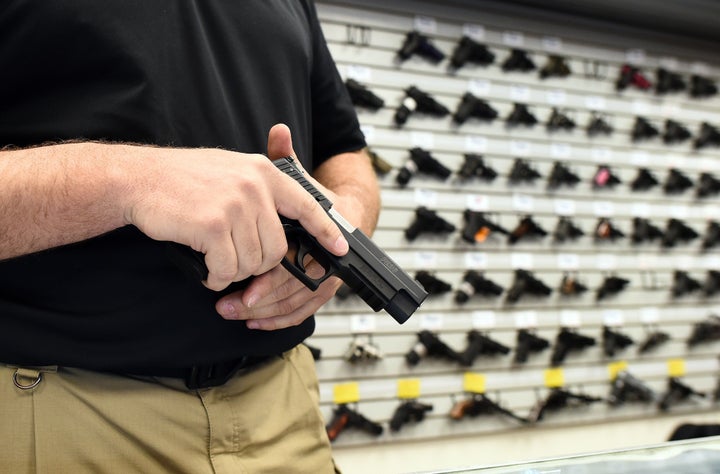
column 226, row 206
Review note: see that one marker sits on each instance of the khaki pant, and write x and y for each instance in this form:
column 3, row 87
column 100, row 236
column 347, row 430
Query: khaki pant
column 78, row 421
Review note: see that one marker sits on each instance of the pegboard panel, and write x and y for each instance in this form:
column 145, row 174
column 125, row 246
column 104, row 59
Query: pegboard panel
column 655, row 300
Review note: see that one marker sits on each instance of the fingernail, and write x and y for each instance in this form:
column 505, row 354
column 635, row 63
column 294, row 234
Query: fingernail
column 252, row 324
column 228, row 310
column 252, row 299
column 341, row 245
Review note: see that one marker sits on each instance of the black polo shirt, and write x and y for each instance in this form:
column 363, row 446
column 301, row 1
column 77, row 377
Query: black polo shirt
column 210, row 73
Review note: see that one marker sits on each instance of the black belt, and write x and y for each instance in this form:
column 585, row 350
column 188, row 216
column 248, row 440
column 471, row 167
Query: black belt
column 210, row 375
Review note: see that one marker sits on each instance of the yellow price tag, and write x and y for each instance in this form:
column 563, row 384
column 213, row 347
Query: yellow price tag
column 676, row 367
column 408, row 388
column 474, row 383
column 346, row 393
column 616, row 367
column 554, row 377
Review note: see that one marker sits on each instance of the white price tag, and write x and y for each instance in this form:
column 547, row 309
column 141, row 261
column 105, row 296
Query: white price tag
column 552, row 43
column 564, row 207
column 613, row 317
column 431, row 321
column 369, row 132
column 358, row 72
column 699, row 68
column 603, row 208
column 676, row 161
column 684, row 262
column 679, row 211
column 519, row 93
column 606, row 261
column 649, row 315
column 479, row 87
column 426, row 259
column 483, row 319
column 476, row 260
column 601, row 155
column 475, row 143
column 711, row 212
column 477, row 202
column 711, row 262
column 639, row 158
column 520, row 148
column 568, row 261
column 670, row 110
column 641, row 107
column 425, row 24
column 523, row 261
column 647, row 261
column 513, row 38
column 523, row 202
column 570, row 318
column 526, row 319
column 422, row 139
column 640, row 209
column 556, row 97
column 476, row 32
column 669, row 63
column 363, row 323
column 560, row 150
column 426, row 197
column 635, row 56
column 595, row 102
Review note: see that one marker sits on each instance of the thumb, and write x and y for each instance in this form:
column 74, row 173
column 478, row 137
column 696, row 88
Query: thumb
column 280, row 142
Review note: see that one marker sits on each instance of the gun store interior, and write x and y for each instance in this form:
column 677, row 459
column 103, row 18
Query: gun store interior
column 550, row 175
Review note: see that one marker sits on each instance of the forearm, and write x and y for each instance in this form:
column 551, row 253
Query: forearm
column 352, row 177
column 57, row 194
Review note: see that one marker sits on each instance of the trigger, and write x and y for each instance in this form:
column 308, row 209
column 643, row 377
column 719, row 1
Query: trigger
column 302, row 252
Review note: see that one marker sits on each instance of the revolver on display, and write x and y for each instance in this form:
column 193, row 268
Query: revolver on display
column 366, row 269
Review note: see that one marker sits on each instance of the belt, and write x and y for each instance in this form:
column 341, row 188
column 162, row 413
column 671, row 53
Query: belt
column 210, row 375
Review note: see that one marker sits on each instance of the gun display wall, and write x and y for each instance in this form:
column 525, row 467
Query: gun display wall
column 560, row 202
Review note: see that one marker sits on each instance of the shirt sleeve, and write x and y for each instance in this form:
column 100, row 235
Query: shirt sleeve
column 335, row 126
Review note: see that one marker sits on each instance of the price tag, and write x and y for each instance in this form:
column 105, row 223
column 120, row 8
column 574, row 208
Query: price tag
column 519, row 93
column 358, row 72
column 513, row 38
column 426, row 197
column 362, row 323
column 560, row 150
column 711, row 212
column 476, row 260
column 639, row 158
column 606, row 261
column 523, row 202
column 477, row 202
column 676, row 367
column 684, row 262
column 647, row 262
column 570, row 318
column 678, row 211
column 426, row 259
column 479, row 87
column 526, row 319
column 520, row 148
column 568, row 261
column 554, row 377
column 522, row 261
column 601, row 155
column 369, row 132
column 711, row 262
column 346, row 393
column 699, row 68
column 425, row 24
column 670, row 110
column 614, row 368
column 641, row 107
column 408, row 389
column 474, row 383
column 556, row 97
column 676, row 161
column 476, row 32
column 422, row 139
column 475, row 143
column 603, row 208
column 613, row 317
column 669, row 63
column 483, row 319
column 552, row 43
column 635, row 56
column 649, row 315
column 431, row 321
column 640, row 209
column 564, row 207
column 595, row 102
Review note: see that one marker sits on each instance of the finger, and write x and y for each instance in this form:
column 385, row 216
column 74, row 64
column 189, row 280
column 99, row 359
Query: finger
column 222, row 263
column 280, row 142
column 273, row 244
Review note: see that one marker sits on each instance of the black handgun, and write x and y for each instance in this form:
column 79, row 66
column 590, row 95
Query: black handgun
column 470, row 51
column 480, row 404
column 702, row 86
column 345, row 417
column 411, row 410
column 677, row 392
column 477, row 227
column 643, row 129
column 683, row 284
column 480, row 344
column 614, row 340
column 366, row 269
column 559, row 399
column 474, row 283
column 708, row 135
column 707, row 185
column 626, row 388
column 644, row 180
column 566, row 341
column 675, row 132
column 528, row 342
column 668, row 81
column 360, row 95
column 712, row 235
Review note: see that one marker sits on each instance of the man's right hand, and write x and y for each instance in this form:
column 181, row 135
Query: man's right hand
column 224, row 205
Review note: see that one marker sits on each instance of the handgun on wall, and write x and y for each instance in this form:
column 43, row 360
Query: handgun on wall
column 411, row 410
column 366, row 269
column 480, row 404
column 559, row 399
column 345, row 417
